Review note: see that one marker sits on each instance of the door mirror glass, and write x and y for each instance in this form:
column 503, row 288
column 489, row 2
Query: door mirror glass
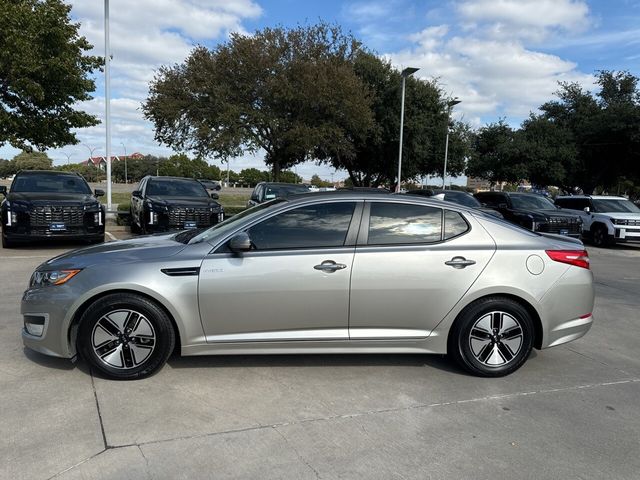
column 240, row 243
column 136, row 193
column 502, row 205
column 587, row 209
column 98, row 193
column 215, row 196
column 3, row 190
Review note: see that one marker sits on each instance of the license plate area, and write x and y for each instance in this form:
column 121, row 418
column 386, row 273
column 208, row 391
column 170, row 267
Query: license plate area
column 57, row 227
column 564, row 231
column 189, row 225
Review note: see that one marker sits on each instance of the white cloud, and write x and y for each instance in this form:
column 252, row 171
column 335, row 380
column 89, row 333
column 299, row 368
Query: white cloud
column 487, row 64
column 530, row 19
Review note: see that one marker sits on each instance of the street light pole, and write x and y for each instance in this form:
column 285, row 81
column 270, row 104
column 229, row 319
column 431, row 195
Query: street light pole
column 126, row 179
column 405, row 73
column 91, row 150
column 68, row 155
column 107, row 95
column 450, row 105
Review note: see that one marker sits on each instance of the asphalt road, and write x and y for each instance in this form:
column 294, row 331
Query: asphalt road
column 571, row 412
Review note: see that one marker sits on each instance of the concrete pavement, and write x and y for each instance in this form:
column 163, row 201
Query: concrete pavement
column 570, row 412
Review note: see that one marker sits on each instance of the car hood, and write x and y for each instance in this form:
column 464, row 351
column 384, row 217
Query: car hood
column 137, row 249
column 621, row 215
column 51, row 198
column 547, row 213
column 192, row 202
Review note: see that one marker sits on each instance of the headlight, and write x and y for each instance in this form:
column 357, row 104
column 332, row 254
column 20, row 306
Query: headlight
column 55, row 277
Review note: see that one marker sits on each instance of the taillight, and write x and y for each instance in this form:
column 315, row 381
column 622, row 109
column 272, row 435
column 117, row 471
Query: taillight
column 579, row 258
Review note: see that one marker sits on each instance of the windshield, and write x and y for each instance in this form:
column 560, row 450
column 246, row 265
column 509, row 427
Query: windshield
column 275, row 191
column 532, row 202
column 230, row 223
column 175, row 188
column 461, row 198
column 44, row 183
column 615, row 205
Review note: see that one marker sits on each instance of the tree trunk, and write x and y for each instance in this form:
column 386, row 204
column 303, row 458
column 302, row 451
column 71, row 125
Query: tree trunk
column 276, row 171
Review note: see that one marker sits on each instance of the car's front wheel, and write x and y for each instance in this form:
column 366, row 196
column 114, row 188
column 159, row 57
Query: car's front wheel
column 125, row 336
column 492, row 337
column 600, row 236
column 6, row 243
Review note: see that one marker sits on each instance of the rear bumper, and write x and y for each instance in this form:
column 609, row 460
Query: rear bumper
column 568, row 331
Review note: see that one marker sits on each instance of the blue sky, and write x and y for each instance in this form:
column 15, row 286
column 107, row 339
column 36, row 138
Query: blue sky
column 502, row 58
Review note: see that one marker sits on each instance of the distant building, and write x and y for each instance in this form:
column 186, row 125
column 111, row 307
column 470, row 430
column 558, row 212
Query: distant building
column 101, row 162
column 478, row 184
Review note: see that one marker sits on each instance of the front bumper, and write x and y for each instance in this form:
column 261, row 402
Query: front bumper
column 51, row 304
column 27, row 234
column 627, row 233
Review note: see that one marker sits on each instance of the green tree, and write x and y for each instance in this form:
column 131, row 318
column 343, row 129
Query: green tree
column 6, row 168
column 376, row 155
column 494, row 157
column 290, row 92
column 31, row 161
column 44, row 72
column 253, row 176
column 604, row 127
column 288, row 176
column 318, row 182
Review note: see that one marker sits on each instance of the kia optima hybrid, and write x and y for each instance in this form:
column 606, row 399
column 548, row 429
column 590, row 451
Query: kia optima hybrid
column 342, row 272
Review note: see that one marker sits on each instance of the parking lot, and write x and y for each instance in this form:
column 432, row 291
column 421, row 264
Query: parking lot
column 571, row 412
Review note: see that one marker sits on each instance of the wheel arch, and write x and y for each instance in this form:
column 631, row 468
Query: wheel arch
column 72, row 331
column 535, row 316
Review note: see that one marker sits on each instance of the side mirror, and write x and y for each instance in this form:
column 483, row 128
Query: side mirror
column 254, row 198
column 3, row 190
column 587, row 209
column 215, row 196
column 218, row 186
column 240, row 242
column 136, row 193
column 502, row 205
column 98, row 193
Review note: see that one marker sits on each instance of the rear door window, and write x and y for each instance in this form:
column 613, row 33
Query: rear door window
column 401, row 224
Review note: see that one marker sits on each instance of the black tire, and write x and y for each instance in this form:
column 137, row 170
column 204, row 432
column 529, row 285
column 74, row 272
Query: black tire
column 481, row 352
column 143, row 228
column 126, row 347
column 134, row 226
column 600, row 236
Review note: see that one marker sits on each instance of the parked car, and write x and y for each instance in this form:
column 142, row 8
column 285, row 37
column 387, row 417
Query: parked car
column 43, row 204
column 173, row 203
column 265, row 191
column 317, row 273
column 533, row 212
column 455, row 196
column 605, row 220
column 211, row 185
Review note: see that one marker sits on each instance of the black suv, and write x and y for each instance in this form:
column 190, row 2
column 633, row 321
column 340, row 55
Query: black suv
column 45, row 204
column 173, row 203
column 532, row 211
column 266, row 191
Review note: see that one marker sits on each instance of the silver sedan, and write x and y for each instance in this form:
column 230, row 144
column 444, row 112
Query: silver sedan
column 318, row 273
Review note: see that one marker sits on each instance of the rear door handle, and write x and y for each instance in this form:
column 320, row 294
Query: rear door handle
column 459, row 262
column 330, row 266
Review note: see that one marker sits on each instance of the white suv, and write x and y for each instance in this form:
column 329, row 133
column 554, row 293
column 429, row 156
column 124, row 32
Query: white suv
column 606, row 219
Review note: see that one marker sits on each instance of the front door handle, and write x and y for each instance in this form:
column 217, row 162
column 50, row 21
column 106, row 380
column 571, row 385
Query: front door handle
column 459, row 262
column 329, row 266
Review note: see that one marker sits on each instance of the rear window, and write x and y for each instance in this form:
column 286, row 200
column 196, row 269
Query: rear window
column 400, row 223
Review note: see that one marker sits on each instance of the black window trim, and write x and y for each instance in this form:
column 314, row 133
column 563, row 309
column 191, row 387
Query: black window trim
column 363, row 233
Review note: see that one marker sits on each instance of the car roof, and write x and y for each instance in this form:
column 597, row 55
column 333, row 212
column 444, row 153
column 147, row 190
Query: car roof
column 47, row 172
column 284, row 183
column 601, row 197
column 161, row 177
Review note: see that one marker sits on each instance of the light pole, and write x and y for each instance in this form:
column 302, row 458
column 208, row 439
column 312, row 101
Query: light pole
column 405, row 73
column 68, row 155
column 450, row 105
column 107, row 98
column 91, row 150
column 126, row 180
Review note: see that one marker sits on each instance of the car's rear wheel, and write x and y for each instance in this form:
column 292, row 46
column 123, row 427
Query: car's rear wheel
column 125, row 336
column 492, row 337
column 134, row 225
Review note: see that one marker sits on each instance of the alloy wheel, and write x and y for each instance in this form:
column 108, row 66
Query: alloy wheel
column 496, row 339
column 123, row 339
